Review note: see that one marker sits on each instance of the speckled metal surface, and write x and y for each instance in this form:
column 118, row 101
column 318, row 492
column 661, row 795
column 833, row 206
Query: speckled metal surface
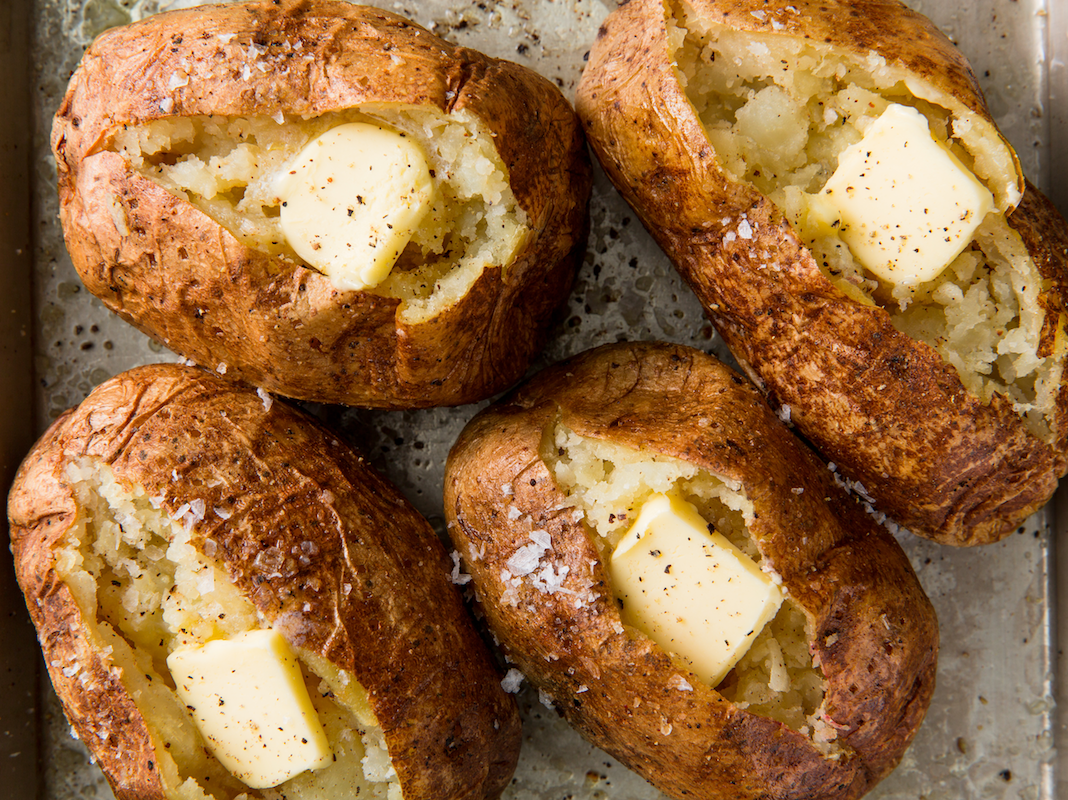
column 990, row 732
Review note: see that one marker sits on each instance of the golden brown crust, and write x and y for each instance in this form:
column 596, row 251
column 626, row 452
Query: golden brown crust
column 178, row 275
column 401, row 629
column 883, row 406
column 874, row 629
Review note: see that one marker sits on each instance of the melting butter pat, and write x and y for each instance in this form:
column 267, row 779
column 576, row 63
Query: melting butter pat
column 690, row 590
column 903, row 203
column 249, row 701
column 351, row 201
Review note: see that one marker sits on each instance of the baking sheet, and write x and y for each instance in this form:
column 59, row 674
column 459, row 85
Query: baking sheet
column 992, row 729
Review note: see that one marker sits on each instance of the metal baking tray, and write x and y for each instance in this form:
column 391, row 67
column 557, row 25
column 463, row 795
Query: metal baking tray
column 995, row 728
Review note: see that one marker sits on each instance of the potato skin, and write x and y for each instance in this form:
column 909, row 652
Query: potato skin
column 176, row 274
column 401, row 629
column 875, row 631
column 883, row 406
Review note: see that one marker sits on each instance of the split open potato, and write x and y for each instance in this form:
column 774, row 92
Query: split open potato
column 628, row 510
column 323, row 199
column 232, row 605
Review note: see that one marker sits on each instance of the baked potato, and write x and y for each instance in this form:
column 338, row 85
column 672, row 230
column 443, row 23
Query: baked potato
column 218, row 190
column 827, row 178
column 174, row 528
column 544, row 489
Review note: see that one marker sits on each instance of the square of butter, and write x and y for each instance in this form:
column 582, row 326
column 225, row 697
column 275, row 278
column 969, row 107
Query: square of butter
column 690, row 590
column 248, row 700
column 903, row 203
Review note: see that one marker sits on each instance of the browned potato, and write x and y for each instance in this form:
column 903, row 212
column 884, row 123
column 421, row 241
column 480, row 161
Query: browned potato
column 726, row 124
column 541, row 489
column 171, row 510
column 174, row 143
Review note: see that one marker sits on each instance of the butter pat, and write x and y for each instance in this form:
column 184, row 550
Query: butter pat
column 691, row 591
column 249, row 702
column 351, row 201
column 902, row 202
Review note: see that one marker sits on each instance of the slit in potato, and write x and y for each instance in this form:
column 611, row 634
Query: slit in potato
column 609, row 483
column 145, row 590
column 228, row 167
column 779, row 110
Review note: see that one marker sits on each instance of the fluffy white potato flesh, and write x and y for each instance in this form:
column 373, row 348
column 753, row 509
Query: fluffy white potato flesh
column 145, row 592
column 609, row 484
column 229, row 167
column 780, row 111
column 689, row 589
column 352, row 199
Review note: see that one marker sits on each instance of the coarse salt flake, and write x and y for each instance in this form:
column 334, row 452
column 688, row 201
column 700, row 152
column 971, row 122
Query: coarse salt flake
column 745, row 230
column 512, row 680
column 546, row 698
column 265, row 398
column 457, row 577
column 680, row 683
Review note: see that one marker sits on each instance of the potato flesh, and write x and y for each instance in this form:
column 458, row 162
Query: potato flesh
column 144, row 590
column 228, row 166
column 778, row 111
column 609, row 483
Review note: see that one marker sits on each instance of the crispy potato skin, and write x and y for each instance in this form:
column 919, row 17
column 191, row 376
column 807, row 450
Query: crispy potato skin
column 882, row 405
column 176, row 274
column 401, row 630
column 849, row 576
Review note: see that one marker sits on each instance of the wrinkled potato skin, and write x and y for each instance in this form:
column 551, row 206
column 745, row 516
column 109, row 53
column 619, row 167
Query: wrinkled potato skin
column 402, row 629
column 883, row 406
column 846, row 573
column 182, row 278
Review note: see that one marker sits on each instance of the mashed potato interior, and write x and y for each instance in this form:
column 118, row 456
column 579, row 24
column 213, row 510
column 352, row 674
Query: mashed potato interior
column 228, row 167
column 609, row 483
column 778, row 110
column 144, row 590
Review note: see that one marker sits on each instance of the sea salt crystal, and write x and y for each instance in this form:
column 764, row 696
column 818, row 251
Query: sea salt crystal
column 745, row 230
column 457, row 577
column 680, row 683
column 546, row 698
column 525, row 559
column 166, row 105
column 266, row 398
column 512, row 680
column 542, row 537
column 222, row 513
